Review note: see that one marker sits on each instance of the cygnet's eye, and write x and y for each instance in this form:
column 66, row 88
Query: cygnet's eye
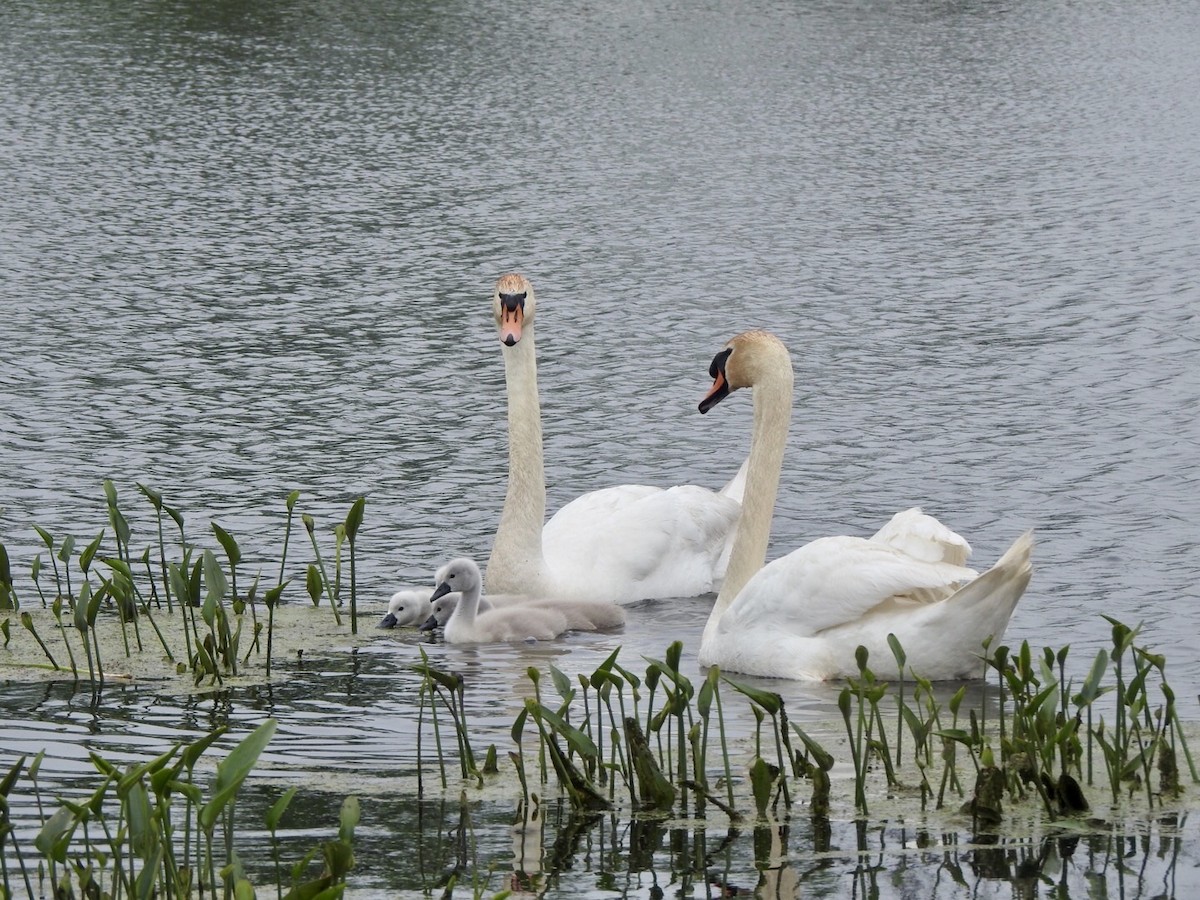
column 450, row 576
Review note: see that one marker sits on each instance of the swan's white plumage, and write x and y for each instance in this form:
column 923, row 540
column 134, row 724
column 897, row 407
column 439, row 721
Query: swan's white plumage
column 619, row 544
column 804, row 615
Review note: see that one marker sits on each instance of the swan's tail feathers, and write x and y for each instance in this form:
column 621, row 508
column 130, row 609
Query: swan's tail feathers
column 993, row 595
column 923, row 537
column 737, row 485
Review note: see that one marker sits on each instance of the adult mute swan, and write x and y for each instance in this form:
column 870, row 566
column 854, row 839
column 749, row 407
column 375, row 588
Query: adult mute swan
column 619, row 544
column 803, row 615
column 580, row 615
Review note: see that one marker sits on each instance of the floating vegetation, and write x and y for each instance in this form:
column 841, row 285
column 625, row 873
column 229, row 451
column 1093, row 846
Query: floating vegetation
column 193, row 597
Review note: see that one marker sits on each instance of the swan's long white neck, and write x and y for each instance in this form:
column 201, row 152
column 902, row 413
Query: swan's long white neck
column 772, row 410
column 516, row 561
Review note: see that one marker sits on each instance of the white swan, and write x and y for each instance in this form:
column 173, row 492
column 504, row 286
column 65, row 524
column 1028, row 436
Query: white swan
column 620, row 544
column 579, row 615
column 470, row 625
column 803, row 615
column 410, row 607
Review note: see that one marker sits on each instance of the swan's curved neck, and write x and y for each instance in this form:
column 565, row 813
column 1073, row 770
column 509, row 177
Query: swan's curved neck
column 468, row 606
column 516, row 556
column 772, row 409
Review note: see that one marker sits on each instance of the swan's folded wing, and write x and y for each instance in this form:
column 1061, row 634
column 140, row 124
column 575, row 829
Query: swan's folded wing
column 836, row 580
column 588, row 510
column 923, row 537
column 645, row 541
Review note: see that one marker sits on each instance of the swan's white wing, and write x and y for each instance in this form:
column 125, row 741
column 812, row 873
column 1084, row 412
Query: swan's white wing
column 836, row 580
column 735, row 489
column 634, row 541
column 586, row 510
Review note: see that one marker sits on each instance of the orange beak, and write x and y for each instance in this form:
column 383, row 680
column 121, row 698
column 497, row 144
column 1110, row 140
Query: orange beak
column 718, row 392
column 510, row 324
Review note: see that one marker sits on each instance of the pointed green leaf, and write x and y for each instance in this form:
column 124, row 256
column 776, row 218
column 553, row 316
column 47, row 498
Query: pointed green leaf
column 819, row 754
column 45, row 536
column 518, row 726
column 55, row 836
column 897, row 652
column 6, row 569
column 768, row 700
column 214, row 579
column 562, row 682
column 15, row 772
column 176, row 516
column 354, row 518
column 271, row 597
column 153, row 496
column 578, row 740
column 313, row 583
column 279, row 807
column 227, row 542
column 193, row 751
column 232, row 771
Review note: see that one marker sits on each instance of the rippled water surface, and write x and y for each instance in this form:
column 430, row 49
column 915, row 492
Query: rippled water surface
column 248, row 248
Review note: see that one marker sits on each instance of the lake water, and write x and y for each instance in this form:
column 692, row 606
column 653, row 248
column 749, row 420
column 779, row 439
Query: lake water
column 247, row 248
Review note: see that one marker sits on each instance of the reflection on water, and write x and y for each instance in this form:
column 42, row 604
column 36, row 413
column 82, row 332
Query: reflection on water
column 547, row 850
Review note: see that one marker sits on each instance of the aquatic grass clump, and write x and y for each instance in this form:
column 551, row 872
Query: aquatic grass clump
column 613, row 738
column 203, row 586
column 151, row 831
column 446, row 687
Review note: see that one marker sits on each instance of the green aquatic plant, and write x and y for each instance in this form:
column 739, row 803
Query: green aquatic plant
column 768, row 703
column 271, row 600
column 353, row 522
column 8, row 596
column 321, row 579
column 150, row 830
column 27, row 624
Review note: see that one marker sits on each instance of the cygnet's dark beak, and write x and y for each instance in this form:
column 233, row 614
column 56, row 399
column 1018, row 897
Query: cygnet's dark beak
column 429, row 624
column 388, row 621
column 440, row 591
